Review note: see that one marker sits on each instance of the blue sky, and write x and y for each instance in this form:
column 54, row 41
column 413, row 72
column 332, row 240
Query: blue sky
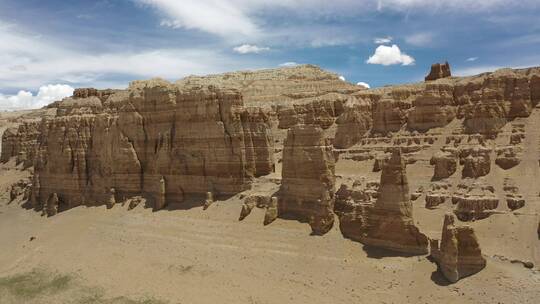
column 49, row 47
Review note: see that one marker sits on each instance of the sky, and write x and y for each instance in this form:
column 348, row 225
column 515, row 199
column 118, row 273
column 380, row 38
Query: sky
column 50, row 47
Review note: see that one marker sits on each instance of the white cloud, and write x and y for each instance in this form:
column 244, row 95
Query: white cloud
column 383, row 40
column 419, row 39
column 25, row 100
column 28, row 62
column 220, row 17
column 390, row 55
column 363, row 84
column 342, row 78
column 288, row 64
column 471, row 59
column 249, row 48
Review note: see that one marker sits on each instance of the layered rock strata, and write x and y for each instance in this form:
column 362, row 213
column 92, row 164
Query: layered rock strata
column 390, row 221
column 308, row 178
column 20, row 142
column 474, row 201
column 458, row 255
column 353, row 202
column 156, row 139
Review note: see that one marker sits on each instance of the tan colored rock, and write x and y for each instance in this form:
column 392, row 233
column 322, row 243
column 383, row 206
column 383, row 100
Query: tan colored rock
column 20, row 188
column 458, row 255
column 474, row 201
column 438, row 71
column 445, row 164
column 271, row 213
column 508, row 157
column 476, row 162
column 195, row 139
column 20, row 142
column 433, row 109
column 437, row 194
column 51, row 207
column 352, row 204
column 353, row 124
column 308, row 178
column 208, row 201
column 112, row 198
column 514, row 199
column 390, row 221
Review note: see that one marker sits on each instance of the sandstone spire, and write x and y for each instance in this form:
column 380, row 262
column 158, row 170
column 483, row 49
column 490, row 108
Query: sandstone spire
column 390, row 221
column 459, row 254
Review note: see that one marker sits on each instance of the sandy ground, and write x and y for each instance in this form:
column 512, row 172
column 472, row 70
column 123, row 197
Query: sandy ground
column 196, row 256
column 187, row 255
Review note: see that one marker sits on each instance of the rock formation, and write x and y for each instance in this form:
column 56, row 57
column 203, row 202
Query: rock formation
column 433, row 108
column 508, row 157
column 445, row 164
column 164, row 142
column 352, row 205
column 353, row 124
column 476, row 162
column 437, row 194
column 458, row 254
column 20, row 142
column 439, row 70
column 474, row 201
column 514, row 199
column 390, row 222
column 308, row 178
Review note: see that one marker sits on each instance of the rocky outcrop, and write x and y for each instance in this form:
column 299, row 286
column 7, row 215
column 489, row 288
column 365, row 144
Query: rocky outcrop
column 353, row 124
column 445, row 163
column 508, row 157
column 474, row 201
column 308, row 178
column 514, row 199
column 157, row 140
column 321, row 110
column 437, row 194
column 390, row 221
column 20, row 188
column 20, row 142
column 476, row 162
column 389, row 115
column 458, row 255
column 353, row 202
column 434, row 108
column 438, row 71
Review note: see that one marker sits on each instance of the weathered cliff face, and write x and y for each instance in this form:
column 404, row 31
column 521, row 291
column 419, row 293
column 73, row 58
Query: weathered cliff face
column 390, row 221
column 159, row 140
column 485, row 103
column 308, row 178
column 458, row 254
column 20, row 142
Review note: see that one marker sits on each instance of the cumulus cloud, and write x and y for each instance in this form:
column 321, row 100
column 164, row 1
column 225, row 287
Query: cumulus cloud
column 289, row 64
column 390, row 55
column 383, row 40
column 363, row 84
column 250, row 49
column 471, row 59
column 25, row 100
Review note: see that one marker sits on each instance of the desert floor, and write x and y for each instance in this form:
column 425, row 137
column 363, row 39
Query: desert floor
column 95, row 255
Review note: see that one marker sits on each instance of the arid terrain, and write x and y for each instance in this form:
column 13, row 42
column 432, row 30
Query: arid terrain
column 276, row 186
